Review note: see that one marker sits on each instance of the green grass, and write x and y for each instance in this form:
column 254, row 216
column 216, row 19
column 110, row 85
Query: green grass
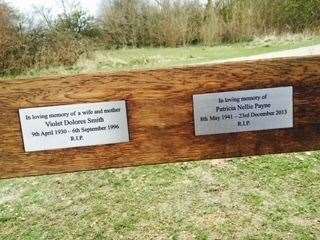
column 104, row 61
column 270, row 197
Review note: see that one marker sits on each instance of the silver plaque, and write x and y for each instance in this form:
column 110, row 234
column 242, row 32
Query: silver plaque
column 242, row 111
column 68, row 126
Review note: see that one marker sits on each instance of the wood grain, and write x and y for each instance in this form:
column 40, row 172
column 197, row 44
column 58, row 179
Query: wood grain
column 160, row 115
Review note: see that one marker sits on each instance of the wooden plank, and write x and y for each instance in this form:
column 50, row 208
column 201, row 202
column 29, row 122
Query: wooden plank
column 160, row 115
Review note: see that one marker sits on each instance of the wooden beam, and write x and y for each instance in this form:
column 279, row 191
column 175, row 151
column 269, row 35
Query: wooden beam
column 160, row 115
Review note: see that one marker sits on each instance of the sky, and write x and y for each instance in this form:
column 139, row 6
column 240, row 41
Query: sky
column 27, row 6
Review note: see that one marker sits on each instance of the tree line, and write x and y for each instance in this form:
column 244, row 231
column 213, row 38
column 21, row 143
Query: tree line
column 25, row 43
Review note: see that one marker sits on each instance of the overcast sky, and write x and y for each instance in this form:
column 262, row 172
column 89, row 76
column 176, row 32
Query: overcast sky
column 27, row 6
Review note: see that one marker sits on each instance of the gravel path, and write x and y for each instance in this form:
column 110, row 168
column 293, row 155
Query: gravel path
column 298, row 52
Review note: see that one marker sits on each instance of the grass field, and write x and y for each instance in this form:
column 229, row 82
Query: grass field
column 102, row 61
column 269, row 197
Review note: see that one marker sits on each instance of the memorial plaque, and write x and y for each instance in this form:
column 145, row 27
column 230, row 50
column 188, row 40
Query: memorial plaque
column 242, row 111
column 68, row 126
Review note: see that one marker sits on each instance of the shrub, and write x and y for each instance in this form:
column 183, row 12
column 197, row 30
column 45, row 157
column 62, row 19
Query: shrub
column 241, row 20
column 10, row 43
column 137, row 23
column 58, row 48
column 77, row 23
column 61, row 43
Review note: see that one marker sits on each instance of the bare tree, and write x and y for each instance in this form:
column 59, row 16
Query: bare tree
column 45, row 16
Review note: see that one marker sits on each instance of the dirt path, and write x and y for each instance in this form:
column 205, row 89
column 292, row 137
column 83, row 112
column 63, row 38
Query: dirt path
column 298, row 52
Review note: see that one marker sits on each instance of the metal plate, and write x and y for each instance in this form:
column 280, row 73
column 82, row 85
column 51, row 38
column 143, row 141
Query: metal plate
column 242, row 111
column 57, row 127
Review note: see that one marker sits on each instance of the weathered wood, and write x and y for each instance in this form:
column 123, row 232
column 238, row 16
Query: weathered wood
column 161, row 115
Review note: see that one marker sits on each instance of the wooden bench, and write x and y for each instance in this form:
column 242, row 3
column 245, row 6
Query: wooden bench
column 160, row 115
